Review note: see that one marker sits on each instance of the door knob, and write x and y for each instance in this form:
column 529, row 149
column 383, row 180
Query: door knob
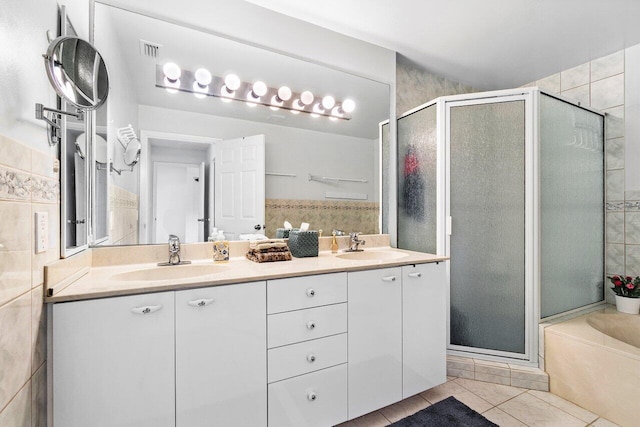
column 257, row 227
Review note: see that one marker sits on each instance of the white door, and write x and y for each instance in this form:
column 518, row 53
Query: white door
column 239, row 186
column 177, row 201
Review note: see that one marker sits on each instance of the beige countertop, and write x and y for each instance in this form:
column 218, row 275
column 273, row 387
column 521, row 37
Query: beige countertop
column 89, row 280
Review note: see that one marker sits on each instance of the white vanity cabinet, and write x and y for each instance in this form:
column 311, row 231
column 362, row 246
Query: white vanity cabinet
column 221, row 359
column 307, row 328
column 113, row 362
column 375, row 339
column 424, row 327
column 187, row 358
column 397, row 334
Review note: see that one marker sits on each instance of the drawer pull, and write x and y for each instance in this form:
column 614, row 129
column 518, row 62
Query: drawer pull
column 200, row 302
column 312, row 396
column 311, row 292
column 311, row 358
column 415, row 275
column 389, row 279
column 311, row 325
column 147, row 309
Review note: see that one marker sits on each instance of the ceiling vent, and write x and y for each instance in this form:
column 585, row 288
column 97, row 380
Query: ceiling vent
column 149, row 49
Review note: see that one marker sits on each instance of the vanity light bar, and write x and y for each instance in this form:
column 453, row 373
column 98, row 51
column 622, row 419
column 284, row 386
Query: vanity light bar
column 216, row 88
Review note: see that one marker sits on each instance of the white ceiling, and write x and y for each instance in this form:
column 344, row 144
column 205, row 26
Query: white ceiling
column 488, row 44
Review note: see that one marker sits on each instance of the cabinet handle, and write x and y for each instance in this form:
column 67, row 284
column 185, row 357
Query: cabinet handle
column 389, row 279
column 415, row 275
column 147, row 309
column 311, row 325
column 311, row 358
column 200, row 302
column 312, row 396
column 311, row 292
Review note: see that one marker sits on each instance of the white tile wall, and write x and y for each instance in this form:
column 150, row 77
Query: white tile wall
column 28, row 184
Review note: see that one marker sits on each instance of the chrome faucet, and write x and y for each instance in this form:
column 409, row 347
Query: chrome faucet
column 174, row 249
column 355, row 242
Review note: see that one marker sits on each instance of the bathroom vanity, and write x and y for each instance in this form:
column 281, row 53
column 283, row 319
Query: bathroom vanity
column 310, row 342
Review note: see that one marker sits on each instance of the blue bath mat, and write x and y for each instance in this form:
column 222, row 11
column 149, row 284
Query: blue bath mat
column 446, row 413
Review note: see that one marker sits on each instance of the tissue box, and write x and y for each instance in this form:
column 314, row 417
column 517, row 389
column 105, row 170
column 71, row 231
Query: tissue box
column 303, row 243
column 283, row 233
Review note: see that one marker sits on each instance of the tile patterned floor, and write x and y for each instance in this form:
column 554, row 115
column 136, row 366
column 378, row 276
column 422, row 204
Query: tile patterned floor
column 504, row 405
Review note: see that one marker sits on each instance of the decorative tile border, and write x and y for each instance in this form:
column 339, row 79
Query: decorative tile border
column 632, row 206
column 121, row 198
column 323, row 215
column 45, row 190
column 15, row 185
column 614, row 206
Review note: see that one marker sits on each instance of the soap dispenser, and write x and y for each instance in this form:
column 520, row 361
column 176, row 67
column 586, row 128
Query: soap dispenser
column 220, row 248
column 334, row 243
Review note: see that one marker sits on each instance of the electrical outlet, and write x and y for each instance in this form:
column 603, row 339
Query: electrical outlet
column 42, row 231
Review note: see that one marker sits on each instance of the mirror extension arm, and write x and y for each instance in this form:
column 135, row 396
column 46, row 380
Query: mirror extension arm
column 41, row 111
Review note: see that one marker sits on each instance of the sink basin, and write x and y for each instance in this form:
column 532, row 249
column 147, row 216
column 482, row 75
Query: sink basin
column 372, row 255
column 174, row 272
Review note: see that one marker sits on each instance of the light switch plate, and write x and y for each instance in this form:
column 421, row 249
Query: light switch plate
column 42, row 231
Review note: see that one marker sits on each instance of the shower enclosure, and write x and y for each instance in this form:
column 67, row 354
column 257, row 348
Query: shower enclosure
column 510, row 185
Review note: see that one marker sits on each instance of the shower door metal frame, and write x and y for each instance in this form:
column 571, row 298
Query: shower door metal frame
column 531, row 231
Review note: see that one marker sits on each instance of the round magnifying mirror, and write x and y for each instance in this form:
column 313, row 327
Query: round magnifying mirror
column 77, row 72
column 132, row 152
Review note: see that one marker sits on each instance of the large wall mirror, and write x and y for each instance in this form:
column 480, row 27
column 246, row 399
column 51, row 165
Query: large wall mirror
column 312, row 169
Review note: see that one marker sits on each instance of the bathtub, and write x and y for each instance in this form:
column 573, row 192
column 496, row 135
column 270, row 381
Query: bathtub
column 594, row 362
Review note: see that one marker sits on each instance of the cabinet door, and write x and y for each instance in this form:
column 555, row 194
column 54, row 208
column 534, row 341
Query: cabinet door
column 113, row 362
column 375, row 341
column 423, row 327
column 221, row 356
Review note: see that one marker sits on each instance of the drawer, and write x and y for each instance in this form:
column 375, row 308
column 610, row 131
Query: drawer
column 309, row 356
column 305, row 325
column 306, row 292
column 315, row 399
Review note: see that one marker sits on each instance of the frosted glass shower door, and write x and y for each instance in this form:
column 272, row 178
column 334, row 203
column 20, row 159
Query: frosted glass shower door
column 571, row 207
column 417, row 180
column 486, row 146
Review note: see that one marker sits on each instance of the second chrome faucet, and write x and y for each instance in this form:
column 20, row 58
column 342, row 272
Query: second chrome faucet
column 355, row 242
column 174, row 252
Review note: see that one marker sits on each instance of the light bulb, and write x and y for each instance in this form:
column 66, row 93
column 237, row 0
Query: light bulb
column 284, row 93
column 232, row 82
column 259, row 89
column 200, row 91
column 203, row 77
column 306, row 97
column 276, row 102
column 337, row 112
column 328, row 102
column 171, row 85
column 298, row 105
column 172, row 71
column 317, row 108
column 348, row 105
